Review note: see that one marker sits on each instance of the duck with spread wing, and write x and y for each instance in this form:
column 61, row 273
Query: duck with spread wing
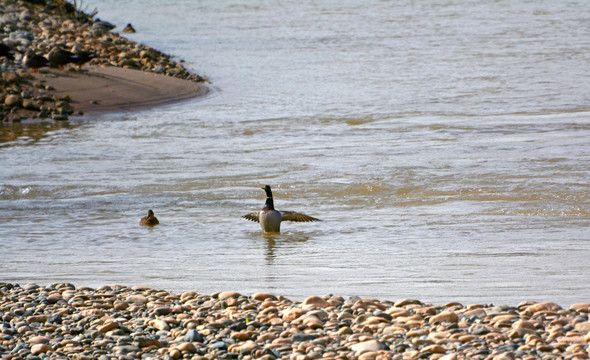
column 270, row 219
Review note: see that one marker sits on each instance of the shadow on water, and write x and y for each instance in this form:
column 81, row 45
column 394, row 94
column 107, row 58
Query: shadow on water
column 30, row 132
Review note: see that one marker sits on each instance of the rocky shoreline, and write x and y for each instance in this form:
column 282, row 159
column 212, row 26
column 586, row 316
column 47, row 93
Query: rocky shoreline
column 41, row 26
column 61, row 321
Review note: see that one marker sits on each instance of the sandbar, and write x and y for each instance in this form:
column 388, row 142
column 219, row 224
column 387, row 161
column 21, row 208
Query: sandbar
column 109, row 88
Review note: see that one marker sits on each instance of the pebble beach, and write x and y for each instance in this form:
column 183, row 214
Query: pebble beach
column 62, row 321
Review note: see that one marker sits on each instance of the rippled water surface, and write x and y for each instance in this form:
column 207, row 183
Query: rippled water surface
column 446, row 146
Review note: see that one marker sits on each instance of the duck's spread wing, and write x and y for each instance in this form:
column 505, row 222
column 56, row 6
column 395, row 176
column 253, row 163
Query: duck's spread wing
column 295, row 216
column 251, row 217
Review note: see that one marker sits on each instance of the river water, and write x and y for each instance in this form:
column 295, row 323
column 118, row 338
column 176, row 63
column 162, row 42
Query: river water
column 444, row 144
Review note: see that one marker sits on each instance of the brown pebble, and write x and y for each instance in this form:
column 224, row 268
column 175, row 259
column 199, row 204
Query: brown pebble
column 242, row 347
column 137, row 298
column 546, row 306
column 160, row 324
column 37, row 319
column 175, row 354
column 581, row 307
column 40, row 349
column 228, row 294
column 162, row 310
column 120, row 305
column 583, row 326
column 263, row 296
column 187, row 346
column 445, row 316
column 39, row 340
column 314, row 301
column 108, row 327
column 437, row 349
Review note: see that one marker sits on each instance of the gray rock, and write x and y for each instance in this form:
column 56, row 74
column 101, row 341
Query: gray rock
column 218, row 345
column 299, row 337
column 193, row 335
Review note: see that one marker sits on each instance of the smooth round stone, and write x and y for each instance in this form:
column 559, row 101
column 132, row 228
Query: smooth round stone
column 38, row 318
column 345, row 330
column 187, row 346
column 228, row 294
column 39, row 340
column 53, row 298
column 263, row 296
column 546, row 306
column 293, row 314
column 137, row 299
column 193, row 335
column 523, row 324
column 241, row 335
column 162, row 310
column 40, row 348
column 315, row 301
column 583, row 326
column 244, row 347
column 125, row 349
column 302, row 337
column 188, row 295
column 108, row 327
column 313, row 322
column 581, row 307
column 160, row 324
column 12, row 100
column 218, row 345
column 452, row 356
column 468, row 338
column 478, row 313
column 371, row 345
column 405, row 302
column 435, row 348
column 119, row 305
column 369, row 355
column 445, row 316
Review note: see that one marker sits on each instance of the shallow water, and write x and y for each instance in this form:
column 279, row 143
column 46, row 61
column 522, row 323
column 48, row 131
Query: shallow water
column 444, row 144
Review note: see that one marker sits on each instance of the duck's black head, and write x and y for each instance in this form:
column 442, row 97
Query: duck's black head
column 150, row 213
column 268, row 191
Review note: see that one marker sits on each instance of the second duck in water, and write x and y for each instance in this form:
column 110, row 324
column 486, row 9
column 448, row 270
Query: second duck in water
column 149, row 220
column 270, row 219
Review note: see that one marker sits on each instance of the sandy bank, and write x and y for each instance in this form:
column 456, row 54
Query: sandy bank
column 99, row 88
column 43, row 33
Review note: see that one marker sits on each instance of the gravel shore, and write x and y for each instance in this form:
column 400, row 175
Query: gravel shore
column 119, row 322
